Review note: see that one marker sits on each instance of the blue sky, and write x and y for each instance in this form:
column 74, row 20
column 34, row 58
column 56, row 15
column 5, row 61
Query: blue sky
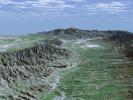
column 29, row 16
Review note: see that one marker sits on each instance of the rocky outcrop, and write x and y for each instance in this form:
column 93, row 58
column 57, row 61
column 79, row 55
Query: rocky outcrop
column 37, row 61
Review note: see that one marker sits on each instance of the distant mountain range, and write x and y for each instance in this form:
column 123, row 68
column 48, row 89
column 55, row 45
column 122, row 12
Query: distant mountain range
column 86, row 33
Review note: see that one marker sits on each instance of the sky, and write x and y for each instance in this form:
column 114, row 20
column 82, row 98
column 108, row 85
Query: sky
column 31, row 16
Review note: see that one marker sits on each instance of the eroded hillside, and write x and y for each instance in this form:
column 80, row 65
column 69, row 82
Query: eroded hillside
column 30, row 65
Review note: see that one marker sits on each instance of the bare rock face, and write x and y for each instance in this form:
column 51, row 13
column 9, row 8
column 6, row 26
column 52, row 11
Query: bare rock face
column 38, row 61
column 30, row 66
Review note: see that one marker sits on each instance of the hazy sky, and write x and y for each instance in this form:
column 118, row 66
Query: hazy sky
column 27, row 16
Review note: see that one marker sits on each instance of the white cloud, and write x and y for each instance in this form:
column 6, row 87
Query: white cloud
column 46, row 2
column 64, row 6
column 5, row 1
column 110, row 6
column 78, row 0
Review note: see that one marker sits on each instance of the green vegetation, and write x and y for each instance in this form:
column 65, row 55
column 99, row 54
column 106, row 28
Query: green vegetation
column 101, row 71
column 51, row 95
column 96, row 77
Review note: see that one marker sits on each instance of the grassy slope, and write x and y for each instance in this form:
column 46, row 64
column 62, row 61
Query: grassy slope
column 96, row 77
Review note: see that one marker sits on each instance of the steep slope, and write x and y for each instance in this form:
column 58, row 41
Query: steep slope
column 31, row 64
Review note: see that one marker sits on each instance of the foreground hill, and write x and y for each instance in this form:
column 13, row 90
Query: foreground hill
column 31, row 64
